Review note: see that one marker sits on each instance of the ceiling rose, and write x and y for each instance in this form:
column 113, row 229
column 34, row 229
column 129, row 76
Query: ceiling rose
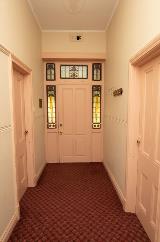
column 74, row 6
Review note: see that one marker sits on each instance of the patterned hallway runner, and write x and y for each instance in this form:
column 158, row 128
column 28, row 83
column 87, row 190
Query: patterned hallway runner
column 75, row 203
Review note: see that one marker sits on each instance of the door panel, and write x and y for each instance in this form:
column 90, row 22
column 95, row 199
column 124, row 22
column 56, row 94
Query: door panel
column 74, row 135
column 148, row 164
column 147, row 102
column 68, row 145
column 82, row 123
column 66, row 122
column 66, row 100
column 81, row 109
column 52, row 147
column 20, row 139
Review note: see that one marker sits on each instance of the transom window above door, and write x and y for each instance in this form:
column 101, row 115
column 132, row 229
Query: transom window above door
column 88, row 71
column 74, row 71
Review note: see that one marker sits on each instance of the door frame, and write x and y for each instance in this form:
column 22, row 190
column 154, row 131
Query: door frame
column 71, row 59
column 81, row 85
column 149, row 52
column 16, row 64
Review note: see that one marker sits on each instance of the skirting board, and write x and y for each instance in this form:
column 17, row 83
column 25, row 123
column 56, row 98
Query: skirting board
column 6, row 234
column 116, row 186
column 36, row 178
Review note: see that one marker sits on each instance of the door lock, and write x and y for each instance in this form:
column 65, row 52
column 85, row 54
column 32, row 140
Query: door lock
column 26, row 132
column 60, row 132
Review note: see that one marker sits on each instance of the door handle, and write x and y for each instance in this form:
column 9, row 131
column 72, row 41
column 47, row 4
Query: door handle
column 26, row 132
column 138, row 141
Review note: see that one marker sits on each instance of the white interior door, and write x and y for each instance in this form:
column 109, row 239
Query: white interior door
column 74, row 123
column 20, row 133
column 149, row 146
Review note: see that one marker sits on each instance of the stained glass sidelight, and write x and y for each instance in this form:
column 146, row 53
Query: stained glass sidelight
column 74, row 71
column 51, row 106
column 96, row 71
column 96, row 107
column 50, row 71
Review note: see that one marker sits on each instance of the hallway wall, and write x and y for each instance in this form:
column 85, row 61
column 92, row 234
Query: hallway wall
column 7, row 172
column 94, row 42
column 134, row 24
column 21, row 35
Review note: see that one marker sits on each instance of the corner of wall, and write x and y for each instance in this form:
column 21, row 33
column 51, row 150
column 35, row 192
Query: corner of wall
column 39, row 173
column 14, row 219
column 116, row 186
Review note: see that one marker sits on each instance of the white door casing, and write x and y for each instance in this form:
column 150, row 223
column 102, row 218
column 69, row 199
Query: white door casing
column 149, row 146
column 20, row 137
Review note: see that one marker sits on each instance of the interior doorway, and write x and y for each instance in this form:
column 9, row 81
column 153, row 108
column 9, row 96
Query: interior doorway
column 143, row 159
column 20, row 132
column 149, row 146
column 23, row 131
column 73, row 94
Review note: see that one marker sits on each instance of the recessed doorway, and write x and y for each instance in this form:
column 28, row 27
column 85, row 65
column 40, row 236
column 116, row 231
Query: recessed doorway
column 23, row 126
column 73, row 93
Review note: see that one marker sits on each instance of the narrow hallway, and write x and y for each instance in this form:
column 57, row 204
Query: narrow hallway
column 73, row 203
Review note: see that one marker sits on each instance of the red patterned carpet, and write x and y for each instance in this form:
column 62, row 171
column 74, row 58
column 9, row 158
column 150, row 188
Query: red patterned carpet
column 75, row 203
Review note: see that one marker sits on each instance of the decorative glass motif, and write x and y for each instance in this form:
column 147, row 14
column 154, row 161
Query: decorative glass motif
column 51, row 107
column 74, row 71
column 96, row 107
column 50, row 71
column 96, row 71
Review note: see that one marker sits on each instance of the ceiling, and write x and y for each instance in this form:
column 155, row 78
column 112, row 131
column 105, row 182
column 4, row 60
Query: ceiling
column 73, row 14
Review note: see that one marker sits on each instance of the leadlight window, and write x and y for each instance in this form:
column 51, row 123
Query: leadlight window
column 51, row 106
column 74, row 71
column 96, row 107
column 50, row 71
column 96, row 71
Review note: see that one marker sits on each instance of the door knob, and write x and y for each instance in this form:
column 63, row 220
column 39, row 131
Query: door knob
column 138, row 141
column 26, row 132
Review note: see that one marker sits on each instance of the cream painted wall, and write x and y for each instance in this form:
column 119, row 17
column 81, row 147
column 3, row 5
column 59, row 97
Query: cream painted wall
column 134, row 24
column 94, row 42
column 20, row 34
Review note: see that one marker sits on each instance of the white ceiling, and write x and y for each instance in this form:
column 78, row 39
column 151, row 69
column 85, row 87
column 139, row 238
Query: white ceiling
column 73, row 14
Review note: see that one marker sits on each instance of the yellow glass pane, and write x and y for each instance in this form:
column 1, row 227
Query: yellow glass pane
column 98, row 120
column 94, row 120
column 51, row 92
column 96, row 108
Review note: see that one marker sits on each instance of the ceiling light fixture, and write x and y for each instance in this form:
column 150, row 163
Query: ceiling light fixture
column 74, row 6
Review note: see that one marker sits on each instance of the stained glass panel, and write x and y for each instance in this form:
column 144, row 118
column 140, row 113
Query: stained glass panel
column 96, row 107
column 96, row 71
column 50, row 71
column 51, row 107
column 74, row 71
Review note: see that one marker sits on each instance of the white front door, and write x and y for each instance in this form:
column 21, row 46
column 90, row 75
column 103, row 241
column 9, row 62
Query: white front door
column 149, row 146
column 20, row 137
column 74, row 123
column 73, row 111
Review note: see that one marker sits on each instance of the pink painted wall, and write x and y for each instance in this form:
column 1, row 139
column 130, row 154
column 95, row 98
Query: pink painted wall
column 94, row 42
column 21, row 36
column 134, row 24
